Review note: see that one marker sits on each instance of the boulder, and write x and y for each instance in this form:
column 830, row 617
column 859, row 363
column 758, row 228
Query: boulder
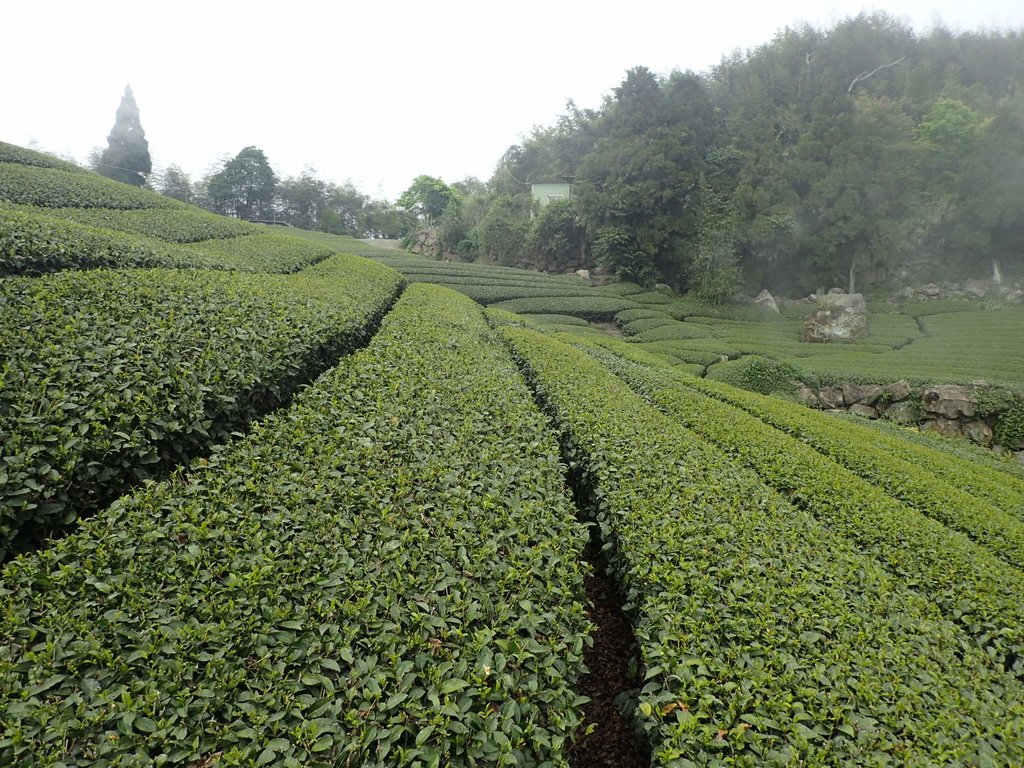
column 584, row 273
column 859, row 409
column 930, row 290
column 867, row 394
column 1016, row 296
column 766, row 300
column 979, row 431
column 977, row 288
column 898, row 390
column 904, row 412
column 831, row 397
column 950, row 401
column 807, row 396
column 843, row 319
column 947, row 427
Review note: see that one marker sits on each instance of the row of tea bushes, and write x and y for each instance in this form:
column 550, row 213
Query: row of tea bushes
column 33, row 242
column 766, row 639
column 983, row 503
column 59, row 188
column 180, row 225
column 11, row 153
column 973, row 587
column 592, row 307
column 108, row 376
column 386, row 574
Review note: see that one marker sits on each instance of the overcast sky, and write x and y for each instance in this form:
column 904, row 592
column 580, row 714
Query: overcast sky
column 372, row 92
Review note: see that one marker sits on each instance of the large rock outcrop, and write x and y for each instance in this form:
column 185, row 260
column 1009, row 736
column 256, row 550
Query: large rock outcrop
column 843, row 318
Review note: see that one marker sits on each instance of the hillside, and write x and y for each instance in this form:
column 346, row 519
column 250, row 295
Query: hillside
column 314, row 510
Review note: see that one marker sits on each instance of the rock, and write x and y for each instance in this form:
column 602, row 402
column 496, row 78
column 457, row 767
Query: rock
column 859, row 409
column 905, row 294
column 836, row 291
column 766, row 300
column 947, row 427
column 867, row 394
column 977, row 288
column 931, row 290
column 898, row 390
column 978, row 431
column 584, row 273
column 905, row 412
column 950, row 401
column 844, row 319
column 831, row 397
column 807, row 396
column 1016, row 296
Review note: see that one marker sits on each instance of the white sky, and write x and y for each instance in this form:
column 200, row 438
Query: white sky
column 374, row 92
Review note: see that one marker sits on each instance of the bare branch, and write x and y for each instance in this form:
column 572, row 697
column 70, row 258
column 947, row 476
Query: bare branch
column 865, row 75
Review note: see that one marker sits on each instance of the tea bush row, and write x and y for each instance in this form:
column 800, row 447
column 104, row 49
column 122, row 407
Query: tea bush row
column 590, row 307
column 59, row 188
column 983, row 503
column 11, row 153
column 765, row 638
column 32, row 243
column 107, row 376
column 386, row 574
column 973, row 587
column 183, row 225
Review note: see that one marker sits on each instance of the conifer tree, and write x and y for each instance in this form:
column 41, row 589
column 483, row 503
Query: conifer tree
column 126, row 157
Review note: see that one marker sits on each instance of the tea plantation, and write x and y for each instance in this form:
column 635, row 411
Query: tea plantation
column 262, row 503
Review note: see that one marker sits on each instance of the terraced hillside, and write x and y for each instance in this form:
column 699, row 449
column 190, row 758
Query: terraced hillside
column 313, row 512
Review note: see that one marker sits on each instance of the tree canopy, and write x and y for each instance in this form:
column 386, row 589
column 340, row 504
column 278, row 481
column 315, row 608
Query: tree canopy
column 126, row 157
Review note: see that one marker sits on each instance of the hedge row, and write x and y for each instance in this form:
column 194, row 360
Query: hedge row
column 973, row 587
column 592, row 307
column 109, row 376
column 387, row 574
column 33, row 242
column 182, row 225
column 492, row 294
column 765, row 638
column 59, row 188
column 263, row 253
column 10, row 153
column 965, row 497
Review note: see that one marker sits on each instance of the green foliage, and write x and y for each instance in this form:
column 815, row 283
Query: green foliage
column 11, row 153
column 244, row 187
column 126, row 158
column 110, row 376
column 178, row 225
column 59, row 188
column 756, row 374
column 262, row 253
column 1009, row 429
column 974, row 588
column 386, row 574
column 555, row 237
column 594, row 307
column 764, row 636
column 427, row 197
column 32, row 243
column 501, row 234
column 176, row 184
column 616, row 251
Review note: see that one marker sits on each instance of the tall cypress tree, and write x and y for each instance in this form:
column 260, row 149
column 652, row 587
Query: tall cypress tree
column 126, row 157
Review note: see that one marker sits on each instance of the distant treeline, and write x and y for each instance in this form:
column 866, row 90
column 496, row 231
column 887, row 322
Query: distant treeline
column 858, row 154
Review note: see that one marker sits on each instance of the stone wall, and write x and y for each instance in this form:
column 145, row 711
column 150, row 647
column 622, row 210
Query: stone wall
column 953, row 410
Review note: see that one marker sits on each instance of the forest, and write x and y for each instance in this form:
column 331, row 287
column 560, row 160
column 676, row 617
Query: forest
column 862, row 155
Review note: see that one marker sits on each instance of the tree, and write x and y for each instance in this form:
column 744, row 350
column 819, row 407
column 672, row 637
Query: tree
column 176, row 183
column 555, row 237
column 244, row 187
column 427, row 197
column 126, row 157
